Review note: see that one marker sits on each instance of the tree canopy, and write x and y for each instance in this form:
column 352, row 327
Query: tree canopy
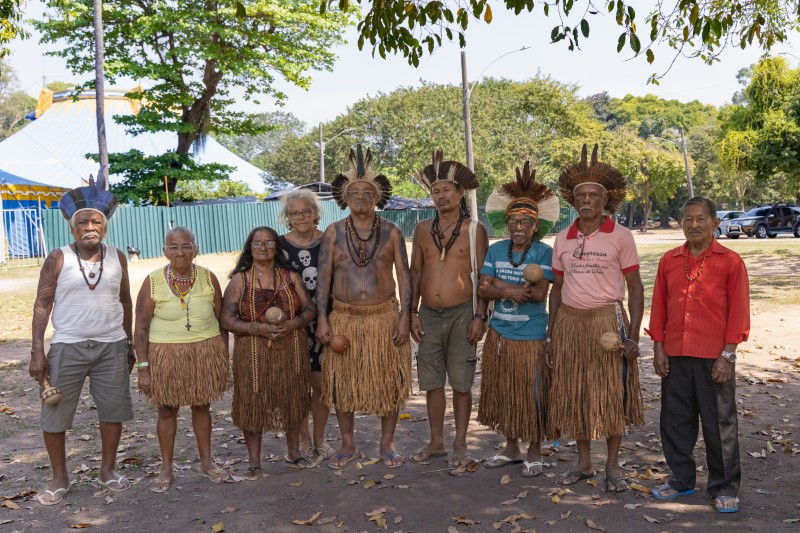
column 11, row 27
column 14, row 104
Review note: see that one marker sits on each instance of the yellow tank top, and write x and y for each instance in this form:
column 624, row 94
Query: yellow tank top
column 169, row 319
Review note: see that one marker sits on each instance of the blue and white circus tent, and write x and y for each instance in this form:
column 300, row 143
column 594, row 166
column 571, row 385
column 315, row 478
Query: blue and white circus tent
column 51, row 149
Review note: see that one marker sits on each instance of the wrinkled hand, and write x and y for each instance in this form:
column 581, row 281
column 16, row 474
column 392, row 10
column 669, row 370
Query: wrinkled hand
column 721, row 371
column 548, row 354
column 401, row 331
column 517, row 294
column 660, row 360
column 282, row 329
column 475, row 330
column 323, row 332
column 144, row 380
column 38, row 368
column 630, row 349
column 416, row 329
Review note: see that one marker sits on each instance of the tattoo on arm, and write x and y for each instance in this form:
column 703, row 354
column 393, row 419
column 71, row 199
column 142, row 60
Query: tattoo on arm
column 325, row 271
column 480, row 251
column 402, row 270
column 45, row 295
column 229, row 317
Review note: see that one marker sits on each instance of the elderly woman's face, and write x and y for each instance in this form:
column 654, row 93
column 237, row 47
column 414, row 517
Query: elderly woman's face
column 180, row 250
column 263, row 246
column 301, row 215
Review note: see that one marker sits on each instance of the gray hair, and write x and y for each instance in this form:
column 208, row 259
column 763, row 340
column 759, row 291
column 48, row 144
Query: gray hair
column 704, row 202
column 299, row 194
column 184, row 230
column 75, row 214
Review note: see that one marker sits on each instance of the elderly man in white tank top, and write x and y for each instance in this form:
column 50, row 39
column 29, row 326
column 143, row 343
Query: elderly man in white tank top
column 84, row 289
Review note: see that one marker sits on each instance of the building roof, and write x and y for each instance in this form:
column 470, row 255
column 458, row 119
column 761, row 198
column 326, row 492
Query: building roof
column 51, row 149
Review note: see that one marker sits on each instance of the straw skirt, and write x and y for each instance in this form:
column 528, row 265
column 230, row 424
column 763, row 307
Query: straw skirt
column 194, row 373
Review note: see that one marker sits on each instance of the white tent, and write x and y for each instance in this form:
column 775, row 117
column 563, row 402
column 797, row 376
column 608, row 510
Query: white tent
column 51, row 149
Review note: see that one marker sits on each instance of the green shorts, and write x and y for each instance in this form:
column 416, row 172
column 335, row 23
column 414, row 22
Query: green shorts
column 106, row 366
column 445, row 351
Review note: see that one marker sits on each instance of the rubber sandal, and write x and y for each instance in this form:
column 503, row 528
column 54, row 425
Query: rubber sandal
column 499, row 461
column 301, row 462
column 533, row 469
column 389, row 457
column 216, row 475
column 56, row 496
column 719, row 501
column 460, row 460
column 253, row 473
column 325, row 452
column 658, row 493
column 117, row 485
column 613, row 484
column 580, row 476
column 425, row 455
column 162, row 485
column 335, row 461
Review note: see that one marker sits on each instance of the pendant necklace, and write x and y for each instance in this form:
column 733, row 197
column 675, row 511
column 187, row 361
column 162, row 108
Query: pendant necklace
column 91, row 270
column 357, row 245
column 184, row 295
column 438, row 234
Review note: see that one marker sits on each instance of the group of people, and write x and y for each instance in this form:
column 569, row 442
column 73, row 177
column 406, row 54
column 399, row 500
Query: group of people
column 322, row 320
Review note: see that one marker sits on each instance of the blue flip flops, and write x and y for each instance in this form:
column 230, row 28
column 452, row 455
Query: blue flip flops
column 658, row 493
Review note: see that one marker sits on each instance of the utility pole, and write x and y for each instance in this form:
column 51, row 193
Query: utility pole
column 99, row 93
column 473, row 197
column 321, row 156
column 689, row 187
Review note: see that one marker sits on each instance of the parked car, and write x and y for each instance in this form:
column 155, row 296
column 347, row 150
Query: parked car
column 766, row 221
column 725, row 218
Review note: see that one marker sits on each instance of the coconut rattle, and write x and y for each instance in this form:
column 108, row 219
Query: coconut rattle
column 339, row 343
column 532, row 273
column 610, row 341
column 274, row 316
column 51, row 395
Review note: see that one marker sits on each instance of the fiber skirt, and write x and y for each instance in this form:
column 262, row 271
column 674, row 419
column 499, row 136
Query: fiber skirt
column 515, row 380
column 195, row 373
column 595, row 392
column 373, row 376
column 271, row 386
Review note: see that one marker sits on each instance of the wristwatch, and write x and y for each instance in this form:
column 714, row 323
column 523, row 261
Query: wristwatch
column 729, row 356
column 483, row 316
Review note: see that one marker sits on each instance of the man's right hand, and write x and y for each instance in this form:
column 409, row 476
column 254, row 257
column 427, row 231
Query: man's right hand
column 323, row 332
column 144, row 380
column 548, row 353
column 416, row 328
column 660, row 360
column 38, row 368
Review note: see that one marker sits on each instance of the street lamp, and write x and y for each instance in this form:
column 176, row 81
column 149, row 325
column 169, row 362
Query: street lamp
column 466, row 89
column 322, row 150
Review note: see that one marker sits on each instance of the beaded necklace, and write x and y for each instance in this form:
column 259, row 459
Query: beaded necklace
column 91, row 271
column 358, row 253
column 186, row 295
column 438, row 234
column 699, row 269
column 524, row 254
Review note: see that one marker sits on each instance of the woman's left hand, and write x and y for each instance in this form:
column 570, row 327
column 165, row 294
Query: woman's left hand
column 282, row 329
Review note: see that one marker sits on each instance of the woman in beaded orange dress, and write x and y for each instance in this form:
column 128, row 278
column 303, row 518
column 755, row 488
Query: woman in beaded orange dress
column 271, row 376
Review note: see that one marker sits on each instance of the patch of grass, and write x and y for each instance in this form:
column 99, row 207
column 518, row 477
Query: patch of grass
column 6, row 433
column 16, row 315
column 22, row 269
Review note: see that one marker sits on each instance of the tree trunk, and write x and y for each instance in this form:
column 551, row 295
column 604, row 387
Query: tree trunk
column 99, row 85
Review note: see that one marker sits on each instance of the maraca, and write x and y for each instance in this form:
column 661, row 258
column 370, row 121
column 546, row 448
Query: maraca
column 274, row 315
column 339, row 343
column 51, row 395
column 610, row 341
column 532, row 273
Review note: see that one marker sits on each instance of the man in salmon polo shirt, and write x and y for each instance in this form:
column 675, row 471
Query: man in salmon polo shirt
column 700, row 313
column 595, row 389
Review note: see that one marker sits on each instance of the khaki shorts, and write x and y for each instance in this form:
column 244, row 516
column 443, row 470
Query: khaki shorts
column 444, row 350
column 106, row 366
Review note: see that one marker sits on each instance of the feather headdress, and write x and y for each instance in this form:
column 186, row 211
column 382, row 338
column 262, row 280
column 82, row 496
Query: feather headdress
column 596, row 172
column 452, row 171
column 523, row 195
column 94, row 196
column 360, row 171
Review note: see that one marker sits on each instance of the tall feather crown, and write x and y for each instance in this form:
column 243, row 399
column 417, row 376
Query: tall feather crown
column 452, row 171
column 524, row 191
column 593, row 172
column 95, row 196
column 360, row 171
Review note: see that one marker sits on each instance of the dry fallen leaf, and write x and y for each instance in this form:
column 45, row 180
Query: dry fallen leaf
column 651, row 519
column 405, row 416
column 379, row 519
column 296, row 484
column 523, row 494
column 353, row 482
column 466, row 521
column 564, row 516
column 792, row 521
column 770, row 449
column 510, row 502
column 9, row 504
column 555, row 499
column 228, row 510
column 328, row 520
column 641, row 488
column 398, row 519
column 505, row 480
column 472, row 466
column 78, row 525
column 308, row 522
column 368, row 484
column 218, row 527
column 372, row 461
column 632, row 505
column 591, row 525
column 376, row 512
column 389, row 476
column 359, row 466
column 452, row 529
column 402, row 486
column 592, row 482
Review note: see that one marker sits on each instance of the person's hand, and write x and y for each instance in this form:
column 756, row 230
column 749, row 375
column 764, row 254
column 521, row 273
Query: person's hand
column 517, row 294
column 143, row 373
column 323, row 332
column 721, row 371
column 630, row 349
column 475, row 331
column 38, row 368
column 131, row 358
column 548, row 354
column 660, row 360
column 416, row 328
column 400, row 335
column 283, row 328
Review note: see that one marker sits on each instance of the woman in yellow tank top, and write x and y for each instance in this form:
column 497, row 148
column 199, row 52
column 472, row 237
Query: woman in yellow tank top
column 182, row 350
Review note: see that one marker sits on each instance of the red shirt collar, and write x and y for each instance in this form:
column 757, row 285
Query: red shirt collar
column 606, row 227
column 715, row 248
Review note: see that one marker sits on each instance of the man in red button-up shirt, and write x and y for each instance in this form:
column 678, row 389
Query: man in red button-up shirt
column 700, row 313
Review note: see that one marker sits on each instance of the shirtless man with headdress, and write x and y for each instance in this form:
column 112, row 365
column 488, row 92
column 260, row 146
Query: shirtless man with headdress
column 592, row 345
column 450, row 321
column 373, row 374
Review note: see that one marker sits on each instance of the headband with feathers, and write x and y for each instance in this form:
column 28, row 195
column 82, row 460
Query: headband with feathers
column 94, row 196
column 360, row 171
column 523, row 189
column 452, row 171
column 602, row 174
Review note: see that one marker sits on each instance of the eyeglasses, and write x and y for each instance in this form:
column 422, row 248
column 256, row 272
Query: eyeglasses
column 263, row 244
column 305, row 213
column 188, row 248
column 578, row 252
column 526, row 223
column 369, row 195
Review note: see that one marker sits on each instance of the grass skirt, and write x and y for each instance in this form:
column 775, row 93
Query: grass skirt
column 373, row 376
column 283, row 395
column 194, row 373
column 515, row 379
column 589, row 398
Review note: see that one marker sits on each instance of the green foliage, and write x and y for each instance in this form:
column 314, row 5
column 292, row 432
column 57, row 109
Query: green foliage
column 14, row 104
column 197, row 53
column 692, row 28
column 144, row 177
column 57, row 86
column 651, row 115
column 11, row 27
column 204, row 190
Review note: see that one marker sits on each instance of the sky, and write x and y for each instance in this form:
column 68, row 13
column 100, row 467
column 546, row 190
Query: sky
column 595, row 68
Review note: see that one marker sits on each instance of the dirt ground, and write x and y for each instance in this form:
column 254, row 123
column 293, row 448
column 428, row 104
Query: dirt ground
column 417, row 498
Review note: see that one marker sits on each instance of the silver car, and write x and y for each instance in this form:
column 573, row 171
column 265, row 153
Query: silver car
column 725, row 218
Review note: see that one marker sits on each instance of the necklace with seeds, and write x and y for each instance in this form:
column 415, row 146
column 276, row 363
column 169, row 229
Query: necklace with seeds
column 184, row 295
column 521, row 259
column 699, row 269
column 357, row 245
column 438, row 235
column 91, row 270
